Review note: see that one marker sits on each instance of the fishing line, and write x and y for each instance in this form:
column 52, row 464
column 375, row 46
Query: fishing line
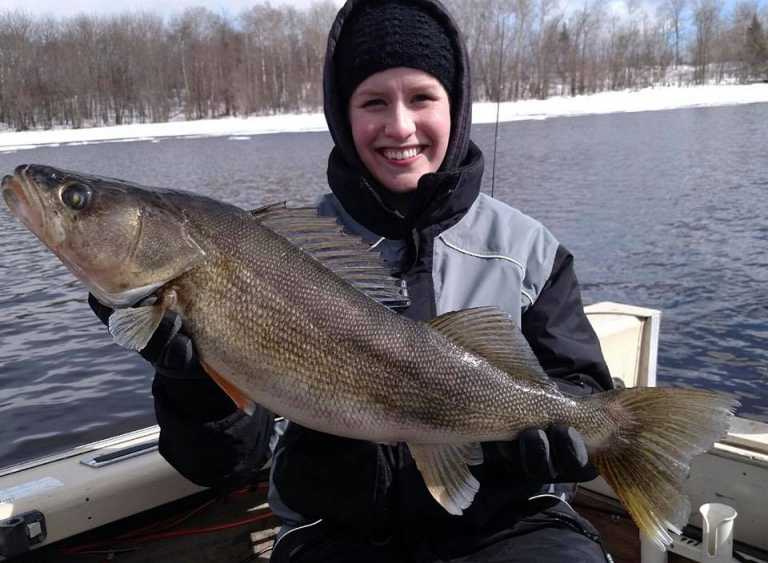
column 498, row 106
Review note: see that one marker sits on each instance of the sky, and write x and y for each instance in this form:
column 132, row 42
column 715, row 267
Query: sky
column 63, row 8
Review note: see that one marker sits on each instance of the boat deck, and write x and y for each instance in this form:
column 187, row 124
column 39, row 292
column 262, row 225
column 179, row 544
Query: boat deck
column 619, row 533
column 236, row 527
column 203, row 528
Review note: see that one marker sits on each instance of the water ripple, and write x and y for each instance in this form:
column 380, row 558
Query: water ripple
column 664, row 210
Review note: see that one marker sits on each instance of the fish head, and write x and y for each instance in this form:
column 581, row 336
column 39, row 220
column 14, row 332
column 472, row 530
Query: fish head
column 121, row 240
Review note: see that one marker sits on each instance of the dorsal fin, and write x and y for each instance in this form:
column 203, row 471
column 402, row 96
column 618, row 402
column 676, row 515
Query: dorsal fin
column 490, row 332
column 348, row 256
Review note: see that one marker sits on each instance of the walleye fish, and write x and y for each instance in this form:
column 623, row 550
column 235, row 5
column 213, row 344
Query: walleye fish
column 288, row 312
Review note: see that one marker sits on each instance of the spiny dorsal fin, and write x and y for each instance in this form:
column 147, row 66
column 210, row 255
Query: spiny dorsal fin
column 490, row 332
column 348, row 256
column 445, row 472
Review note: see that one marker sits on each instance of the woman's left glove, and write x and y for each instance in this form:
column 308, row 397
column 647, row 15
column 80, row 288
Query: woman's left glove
column 557, row 454
column 170, row 351
column 181, row 381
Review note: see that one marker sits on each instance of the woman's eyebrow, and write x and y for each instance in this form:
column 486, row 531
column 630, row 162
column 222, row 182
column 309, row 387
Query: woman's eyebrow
column 370, row 91
column 423, row 86
column 377, row 91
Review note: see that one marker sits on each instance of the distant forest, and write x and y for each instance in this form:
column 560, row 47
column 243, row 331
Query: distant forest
column 139, row 67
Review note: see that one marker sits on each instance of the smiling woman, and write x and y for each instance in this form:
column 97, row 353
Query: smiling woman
column 401, row 122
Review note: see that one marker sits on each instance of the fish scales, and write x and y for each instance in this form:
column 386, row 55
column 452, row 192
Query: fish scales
column 273, row 325
column 341, row 356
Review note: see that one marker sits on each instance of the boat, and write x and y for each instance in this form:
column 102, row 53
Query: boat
column 118, row 498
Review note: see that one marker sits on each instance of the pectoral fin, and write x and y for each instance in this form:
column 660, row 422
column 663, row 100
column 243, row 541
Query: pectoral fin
column 238, row 397
column 133, row 327
column 445, row 472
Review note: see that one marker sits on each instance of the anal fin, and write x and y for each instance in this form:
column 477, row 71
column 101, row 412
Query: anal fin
column 238, row 397
column 446, row 473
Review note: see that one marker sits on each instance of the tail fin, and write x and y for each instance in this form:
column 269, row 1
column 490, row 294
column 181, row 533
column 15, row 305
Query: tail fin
column 659, row 431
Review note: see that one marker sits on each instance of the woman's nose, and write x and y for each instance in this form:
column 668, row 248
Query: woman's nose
column 400, row 124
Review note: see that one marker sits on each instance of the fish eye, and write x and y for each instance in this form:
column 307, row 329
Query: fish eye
column 76, row 196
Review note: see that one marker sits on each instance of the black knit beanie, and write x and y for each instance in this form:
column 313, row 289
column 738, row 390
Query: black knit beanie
column 389, row 34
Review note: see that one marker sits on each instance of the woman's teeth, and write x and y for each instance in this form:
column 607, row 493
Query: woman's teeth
column 401, row 154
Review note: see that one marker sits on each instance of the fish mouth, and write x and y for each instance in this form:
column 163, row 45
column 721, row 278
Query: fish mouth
column 22, row 201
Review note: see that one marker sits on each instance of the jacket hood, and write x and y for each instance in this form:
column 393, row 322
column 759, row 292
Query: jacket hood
column 359, row 193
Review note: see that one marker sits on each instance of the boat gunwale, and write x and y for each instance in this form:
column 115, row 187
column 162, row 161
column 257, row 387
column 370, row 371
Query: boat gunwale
column 139, row 436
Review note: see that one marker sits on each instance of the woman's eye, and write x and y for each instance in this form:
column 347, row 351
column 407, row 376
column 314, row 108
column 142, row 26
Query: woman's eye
column 76, row 196
column 372, row 103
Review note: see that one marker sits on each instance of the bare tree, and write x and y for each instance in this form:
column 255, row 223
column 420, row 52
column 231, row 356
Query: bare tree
column 271, row 40
column 584, row 26
column 756, row 49
column 544, row 49
column 17, row 70
column 706, row 17
column 315, row 25
column 91, row 70
column 673, row 9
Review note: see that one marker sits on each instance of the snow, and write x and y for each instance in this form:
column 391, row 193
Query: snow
column 649, row 99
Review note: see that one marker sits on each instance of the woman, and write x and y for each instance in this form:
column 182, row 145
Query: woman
column 405, row 176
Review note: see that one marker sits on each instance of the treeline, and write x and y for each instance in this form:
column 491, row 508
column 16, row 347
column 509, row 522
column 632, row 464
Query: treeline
column 88, row 70
column 538, row 48
column 138, row 67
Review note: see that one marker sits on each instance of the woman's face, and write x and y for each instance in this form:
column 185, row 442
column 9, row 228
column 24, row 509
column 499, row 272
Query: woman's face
column 401, row 122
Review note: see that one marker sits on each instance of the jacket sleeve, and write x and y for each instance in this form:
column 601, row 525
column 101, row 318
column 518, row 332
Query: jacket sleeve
column 560, row 335
column 204, row 437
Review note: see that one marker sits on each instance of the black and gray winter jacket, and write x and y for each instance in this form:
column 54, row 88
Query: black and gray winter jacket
column 456, row 248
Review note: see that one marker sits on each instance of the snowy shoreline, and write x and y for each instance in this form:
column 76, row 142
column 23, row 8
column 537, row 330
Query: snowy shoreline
column 649, row 99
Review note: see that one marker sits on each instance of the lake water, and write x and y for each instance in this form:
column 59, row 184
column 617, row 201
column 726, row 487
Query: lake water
column 666, row 210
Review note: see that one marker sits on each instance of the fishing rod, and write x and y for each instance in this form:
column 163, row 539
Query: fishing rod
column 498, row 106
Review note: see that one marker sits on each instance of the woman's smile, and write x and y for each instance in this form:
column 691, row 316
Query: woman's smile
column 401, row 156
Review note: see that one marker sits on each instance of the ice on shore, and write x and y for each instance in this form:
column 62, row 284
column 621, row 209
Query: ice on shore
column 649, row 99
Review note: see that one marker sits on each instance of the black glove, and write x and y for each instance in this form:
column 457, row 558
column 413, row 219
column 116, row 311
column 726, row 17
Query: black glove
column 170, row 351
column 183, row 380
column 555, row 455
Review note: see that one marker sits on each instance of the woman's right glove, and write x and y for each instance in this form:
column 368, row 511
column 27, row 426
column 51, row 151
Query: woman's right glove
column 557, row 454
column 185, row 384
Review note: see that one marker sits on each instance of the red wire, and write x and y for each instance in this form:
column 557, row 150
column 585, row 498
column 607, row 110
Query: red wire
column 206, row 530
column 163, row 524
column 133, row 536
column 168, row 523
column 167, row 535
